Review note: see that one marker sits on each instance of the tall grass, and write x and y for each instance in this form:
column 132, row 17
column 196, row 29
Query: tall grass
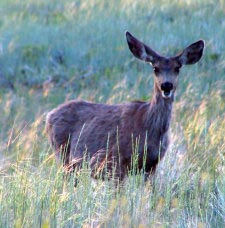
column 52, row 51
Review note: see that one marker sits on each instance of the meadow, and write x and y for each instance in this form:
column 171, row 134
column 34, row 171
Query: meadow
column 56, row 50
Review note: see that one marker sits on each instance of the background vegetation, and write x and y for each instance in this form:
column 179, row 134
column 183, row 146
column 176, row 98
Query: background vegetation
column 53, row 51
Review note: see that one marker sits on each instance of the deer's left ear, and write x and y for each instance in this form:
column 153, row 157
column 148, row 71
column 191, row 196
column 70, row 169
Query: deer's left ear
column 192, row 54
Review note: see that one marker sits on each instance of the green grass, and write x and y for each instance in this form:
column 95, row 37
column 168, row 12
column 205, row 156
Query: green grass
column 52, row 51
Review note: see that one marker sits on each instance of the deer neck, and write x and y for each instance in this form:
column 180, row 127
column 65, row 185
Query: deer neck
column 159, row 114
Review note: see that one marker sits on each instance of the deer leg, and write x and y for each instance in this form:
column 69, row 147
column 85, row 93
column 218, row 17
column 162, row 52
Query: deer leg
column 72, row 167
column 106, row 166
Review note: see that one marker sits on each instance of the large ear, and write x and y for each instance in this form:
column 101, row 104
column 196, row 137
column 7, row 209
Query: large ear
column 192, row 54
column 140, row 50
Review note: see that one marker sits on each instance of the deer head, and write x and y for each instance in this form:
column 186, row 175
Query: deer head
column 166, row 69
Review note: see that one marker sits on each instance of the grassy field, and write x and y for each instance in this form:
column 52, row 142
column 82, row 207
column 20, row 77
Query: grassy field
column 57, row 50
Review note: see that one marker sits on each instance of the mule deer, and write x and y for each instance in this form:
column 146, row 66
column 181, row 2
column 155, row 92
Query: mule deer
column 106, row 133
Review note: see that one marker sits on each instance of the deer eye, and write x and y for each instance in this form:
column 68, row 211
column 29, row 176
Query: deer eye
column 156, row 70
column 177, row 69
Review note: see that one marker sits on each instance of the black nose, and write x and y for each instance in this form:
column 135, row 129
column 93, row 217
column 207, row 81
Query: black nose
column 166, row 86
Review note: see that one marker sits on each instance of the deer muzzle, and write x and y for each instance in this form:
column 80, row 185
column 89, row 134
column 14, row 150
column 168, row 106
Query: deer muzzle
column 167, row 89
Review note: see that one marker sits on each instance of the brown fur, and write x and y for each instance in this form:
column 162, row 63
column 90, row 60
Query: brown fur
column 107, row 134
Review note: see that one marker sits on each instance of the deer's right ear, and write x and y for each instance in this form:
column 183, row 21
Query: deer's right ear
column 140, row 50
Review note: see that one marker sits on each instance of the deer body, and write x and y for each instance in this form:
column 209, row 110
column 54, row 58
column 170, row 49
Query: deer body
column 107, row 134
